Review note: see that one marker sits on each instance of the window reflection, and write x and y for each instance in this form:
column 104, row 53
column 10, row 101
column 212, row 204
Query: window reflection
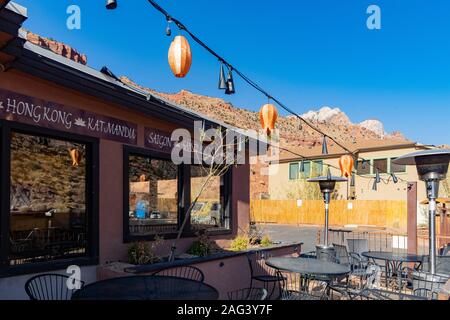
column 47, row 199
column 153, row 198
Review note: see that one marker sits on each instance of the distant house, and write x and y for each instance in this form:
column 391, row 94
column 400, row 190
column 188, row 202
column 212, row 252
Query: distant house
column 376, row 153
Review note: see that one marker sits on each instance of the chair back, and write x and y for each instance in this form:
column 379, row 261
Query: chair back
column 257, row 263
column 342, row 253
column 186, row 272
column 445, row 250
column 427, row 285
column 443, row 265
column 358, row 245
column 52, row 287
column 248, row 294
column 373, row 277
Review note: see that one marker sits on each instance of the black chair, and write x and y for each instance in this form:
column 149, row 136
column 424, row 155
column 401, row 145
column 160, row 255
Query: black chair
column 51, row 287
column 186, row 272
column 421, row 283
column 301, row 287
column 260, row 272
column 248, row 294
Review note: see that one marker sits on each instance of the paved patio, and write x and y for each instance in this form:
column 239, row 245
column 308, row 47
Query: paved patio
column 290, row 233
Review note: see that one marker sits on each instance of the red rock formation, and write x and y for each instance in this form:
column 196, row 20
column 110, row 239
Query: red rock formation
column 57, row 47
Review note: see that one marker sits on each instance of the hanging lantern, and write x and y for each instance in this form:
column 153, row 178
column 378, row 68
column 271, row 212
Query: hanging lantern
column 268, row 115
column 76, row 157
column 180, row 56
column 377, row 176
column 230, row 89
column 222, row 81
column 324, row 146
column 346, row 163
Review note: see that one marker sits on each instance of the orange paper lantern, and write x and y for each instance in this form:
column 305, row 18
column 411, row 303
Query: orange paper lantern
column 268, row 115
column 346, row 163
column 76, row 157
column 180, row 56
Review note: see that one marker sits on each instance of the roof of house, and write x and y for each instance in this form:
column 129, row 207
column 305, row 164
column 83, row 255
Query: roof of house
column 19, row 53
column 335, row 151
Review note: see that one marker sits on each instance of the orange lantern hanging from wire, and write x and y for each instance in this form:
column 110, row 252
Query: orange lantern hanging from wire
column 268, row 115
column 76, row 157
column 346, row 163
column 180, row 56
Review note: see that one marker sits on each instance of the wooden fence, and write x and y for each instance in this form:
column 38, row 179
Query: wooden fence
column 386, row 214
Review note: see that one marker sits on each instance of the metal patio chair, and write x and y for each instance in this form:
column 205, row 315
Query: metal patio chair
column 371, row 280
column 353, row 260
column 301, row 287
column 357, row 247
column 186, row 272
column 421, row 283
column 260, row 272
column 51, row 287
column 248, row 294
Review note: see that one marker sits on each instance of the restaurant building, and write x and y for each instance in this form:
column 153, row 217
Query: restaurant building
column 86, row 166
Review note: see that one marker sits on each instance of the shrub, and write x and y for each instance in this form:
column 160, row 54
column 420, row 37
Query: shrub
column 240, row 243
column 202, row 246
column 140, row 253
column 265, row 241
column 143, row 252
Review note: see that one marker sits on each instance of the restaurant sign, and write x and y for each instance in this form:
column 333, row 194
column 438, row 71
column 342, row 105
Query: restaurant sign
column 162, row 141
column 29, row 110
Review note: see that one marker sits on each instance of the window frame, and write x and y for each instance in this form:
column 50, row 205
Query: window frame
column 367, row 162
column 302, row 174
column 374, row 168
column 225, row 195
column 184, row 197
column 292, row 164
column 91, row 195
column 137, row 151
column 391, row 159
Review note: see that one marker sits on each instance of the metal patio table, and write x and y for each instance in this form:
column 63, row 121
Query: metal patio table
column 147, row 288
column 309, row 268
column 394, row 261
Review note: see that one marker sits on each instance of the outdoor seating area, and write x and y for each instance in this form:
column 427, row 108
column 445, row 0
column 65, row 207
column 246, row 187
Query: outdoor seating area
column 338, row 274
column 159, row 188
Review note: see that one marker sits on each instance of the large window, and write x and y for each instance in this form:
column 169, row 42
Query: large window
column 210, row 210
column 381, row 165
column 152, row 196
column 50, row 216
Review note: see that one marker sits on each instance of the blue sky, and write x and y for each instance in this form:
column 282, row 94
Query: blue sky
column 307, row 53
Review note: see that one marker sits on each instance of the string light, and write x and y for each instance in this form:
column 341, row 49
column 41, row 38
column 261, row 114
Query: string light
column 230, row 89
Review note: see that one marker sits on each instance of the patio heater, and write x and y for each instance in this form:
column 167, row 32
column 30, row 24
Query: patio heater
column 432, row 167
column 327, row 185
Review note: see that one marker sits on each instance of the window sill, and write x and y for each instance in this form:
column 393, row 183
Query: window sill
column 39, row 267
column 187, row 234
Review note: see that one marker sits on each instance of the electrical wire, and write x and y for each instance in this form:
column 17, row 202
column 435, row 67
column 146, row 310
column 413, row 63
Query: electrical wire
column 257, row 87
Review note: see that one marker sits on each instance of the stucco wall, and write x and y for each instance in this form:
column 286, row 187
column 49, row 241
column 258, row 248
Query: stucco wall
column 280, row 185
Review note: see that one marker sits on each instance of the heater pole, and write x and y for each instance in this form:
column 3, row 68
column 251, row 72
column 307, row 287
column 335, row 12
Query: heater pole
column 326, row 196
column 432, row 241
column 432, row 194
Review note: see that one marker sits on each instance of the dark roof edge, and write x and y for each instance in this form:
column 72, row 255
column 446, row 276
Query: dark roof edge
column 357, row 151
